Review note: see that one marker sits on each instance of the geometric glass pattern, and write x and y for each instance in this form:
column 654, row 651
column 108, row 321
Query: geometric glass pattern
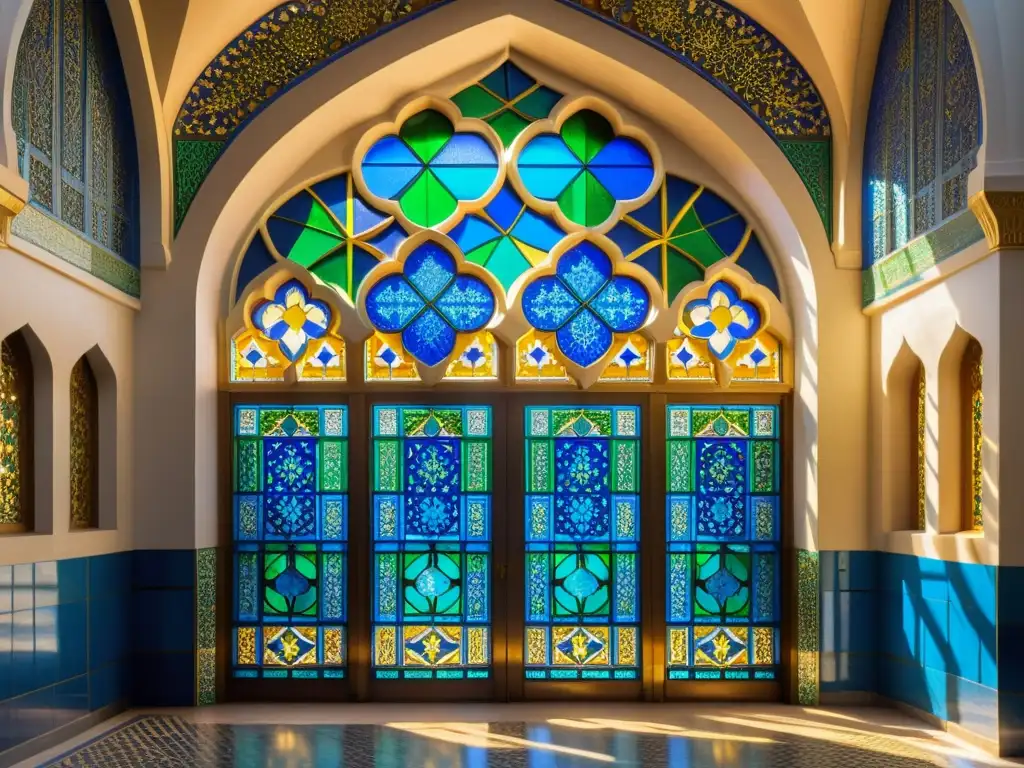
column 430, row 303
column 290, row 532
column 508, row 99
column 585, row 304
column 685, row 229
column 582, row 520
column 722, row 526
column 429, row 169
column 329, row 229
column 431, row 529
column 585, row 168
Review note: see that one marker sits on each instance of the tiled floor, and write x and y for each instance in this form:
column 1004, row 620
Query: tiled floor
column 495, row 736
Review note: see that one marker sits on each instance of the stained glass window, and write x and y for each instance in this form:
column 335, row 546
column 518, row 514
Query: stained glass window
column 722, row 526
column 84, row 446
column 15, row 434
column 431, row 518
column 582, row 531
column 586, row 305
column 973, row 430
column 290, row 531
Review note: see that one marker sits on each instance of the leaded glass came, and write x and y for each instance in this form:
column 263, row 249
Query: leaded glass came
column 431, row 528
column 582, row 532
column 722, row 527
column 290, row 531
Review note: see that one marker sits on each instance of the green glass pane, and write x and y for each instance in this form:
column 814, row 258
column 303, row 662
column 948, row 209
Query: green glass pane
column 414, row 420
column 601, row 419
column 762, row 478
column 701, row 246
column 476, row 466
column 312, row 246
column 247, row 465
column 508, row 125
column 476, row 102
column 680, row 466
column 289, row 423
column 507, row 263
column 585, row 201
column 318, row 218
column 722, row 421
column 681, row 272
column 333, row 466
column 538, row 103
column 582, row 583
column 624, row 466
column 427, row 202
column 586, row 133
column 426, row 133
column 333, row 270
column 689, row 224
column 386, row 472
column 483, row 253
column 541, row 467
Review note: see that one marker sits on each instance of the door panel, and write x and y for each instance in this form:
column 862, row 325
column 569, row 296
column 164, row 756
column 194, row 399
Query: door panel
column 431, row 524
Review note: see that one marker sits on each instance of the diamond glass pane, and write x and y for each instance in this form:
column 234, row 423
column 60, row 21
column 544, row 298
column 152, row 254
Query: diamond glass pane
column 290, row 533
column 722, row 527
column 582, row 518
column 431, row 528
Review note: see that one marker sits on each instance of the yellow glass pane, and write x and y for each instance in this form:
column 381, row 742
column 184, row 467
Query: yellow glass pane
column 324, row 360
column 761, row 361
column 764, row 646
column 246, row 645
column 477, row 641
column 255, row 358
column 334, row 645
column 720, row 646
column 536, row 643
column 476, row 357
column 387, row 360
column 580, row 646
column 436, row 646
column 627, row 646
column 537, row 358
column 633, row 359
column 678, row 646
column 289, row 646
column 385, row 647
column 687, row 361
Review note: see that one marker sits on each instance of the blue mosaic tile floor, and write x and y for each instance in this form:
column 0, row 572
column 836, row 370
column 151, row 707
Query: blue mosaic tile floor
column 172, row 742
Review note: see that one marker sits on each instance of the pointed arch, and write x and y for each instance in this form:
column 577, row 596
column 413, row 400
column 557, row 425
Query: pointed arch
column 905, row 505
column 84, row 464
column 16, row 435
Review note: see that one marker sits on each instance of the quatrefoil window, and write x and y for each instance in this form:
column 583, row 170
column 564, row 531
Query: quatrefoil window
column 584, row 303
column 430, row 303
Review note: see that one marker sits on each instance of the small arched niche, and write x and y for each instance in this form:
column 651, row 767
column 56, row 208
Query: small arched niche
column 961, row 428
column 93, row 444
column 905, row 436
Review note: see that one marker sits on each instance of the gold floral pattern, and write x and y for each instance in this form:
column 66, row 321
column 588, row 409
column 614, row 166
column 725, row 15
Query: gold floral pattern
column 84, row 429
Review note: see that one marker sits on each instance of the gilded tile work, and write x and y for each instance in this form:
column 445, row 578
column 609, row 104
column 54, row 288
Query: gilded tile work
column 730, row 50
column 924, row 131
column 807, row 627
column 920, row 418
column 971, row 392
column 84, row 446
column 12, row 439
column 206, row 626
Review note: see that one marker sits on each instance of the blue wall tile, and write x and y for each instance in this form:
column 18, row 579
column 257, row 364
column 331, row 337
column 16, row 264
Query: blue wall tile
column 164, row 680
column 164, row 568
column 73, row 580
column 164, row 620
column 6, row 588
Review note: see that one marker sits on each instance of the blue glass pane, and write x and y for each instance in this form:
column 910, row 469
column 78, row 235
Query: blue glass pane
column 622, row 151
column 624, row 183
column 729, row 233
column 257, row 259
column 547, row 150
column 297, row 207
column 389, row 239
column 539, row 104
column 364, row 216
column 430, row 268
column 711, row 208
column 536, row 230
column 465, row 182
column 472, row 232
column 584, row 269
column 284, row 234
column 755, row 261
column 466, row 149
column 468, row 304
column 505, row 207
column 547, row 304
column 623, row 303
column 391, row 150
column 548, row 182
column 388, row 180
column 584, row 339
column 518, row 81
column 651, row 261
column 429, row 338
column 630, row 239
column 362, row 262
column 392, row 303
column 334, row 194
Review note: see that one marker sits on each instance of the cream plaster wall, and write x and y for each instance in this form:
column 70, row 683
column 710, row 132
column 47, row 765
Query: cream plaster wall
column 831, row 332
column 70, row 313
column 935, row 325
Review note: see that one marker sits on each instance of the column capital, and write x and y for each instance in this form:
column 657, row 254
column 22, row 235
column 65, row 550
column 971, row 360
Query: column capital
column 1001, row 215
column 10, row 206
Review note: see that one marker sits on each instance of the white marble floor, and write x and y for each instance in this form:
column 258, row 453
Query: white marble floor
column 537, row 736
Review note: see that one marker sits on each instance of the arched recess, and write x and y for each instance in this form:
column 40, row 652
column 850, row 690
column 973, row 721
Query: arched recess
column 26, row 384
column 13, row 16
column 711, row 38
column 93, row 427
column 961, row 432
column 905, row 401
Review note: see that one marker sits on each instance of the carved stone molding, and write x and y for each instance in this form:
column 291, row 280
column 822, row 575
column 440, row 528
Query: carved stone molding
column 1002, row 218
column 10, row 206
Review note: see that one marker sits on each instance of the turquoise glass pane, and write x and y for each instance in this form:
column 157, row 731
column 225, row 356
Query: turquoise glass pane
column 290, row 533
